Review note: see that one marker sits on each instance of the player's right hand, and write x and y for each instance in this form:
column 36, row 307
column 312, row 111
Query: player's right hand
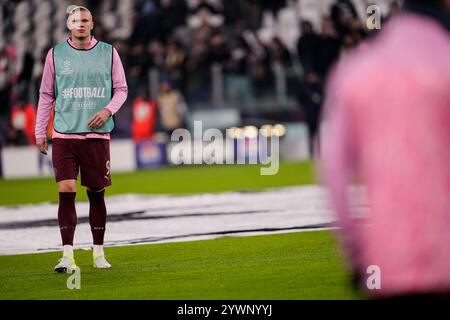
column 42, row 145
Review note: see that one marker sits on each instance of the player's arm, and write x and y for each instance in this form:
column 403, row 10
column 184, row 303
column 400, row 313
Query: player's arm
column 120, row 93
column 46, row 99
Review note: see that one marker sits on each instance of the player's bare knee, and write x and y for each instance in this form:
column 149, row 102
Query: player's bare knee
column 67, row 186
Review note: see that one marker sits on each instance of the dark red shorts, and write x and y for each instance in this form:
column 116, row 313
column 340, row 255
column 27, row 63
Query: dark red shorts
column 90, row 157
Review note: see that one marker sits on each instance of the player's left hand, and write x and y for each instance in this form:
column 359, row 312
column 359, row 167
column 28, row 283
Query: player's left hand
column 99, row 119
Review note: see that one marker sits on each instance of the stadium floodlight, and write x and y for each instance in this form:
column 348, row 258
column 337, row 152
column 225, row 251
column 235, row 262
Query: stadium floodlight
column 235, row 133
column 279, row 130
column 231, row 132
column 250, row 132
column 266, row 130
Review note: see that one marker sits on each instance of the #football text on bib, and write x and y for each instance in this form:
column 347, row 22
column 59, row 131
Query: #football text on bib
column 83, row 87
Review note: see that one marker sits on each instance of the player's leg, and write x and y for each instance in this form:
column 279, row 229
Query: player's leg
column 67, row 219
column 95, row 175
column 97, row 220
column 66, row 171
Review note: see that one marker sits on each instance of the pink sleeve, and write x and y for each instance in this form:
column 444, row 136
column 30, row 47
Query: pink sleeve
column 120, row 88
column 46, row 97
column 337, row 163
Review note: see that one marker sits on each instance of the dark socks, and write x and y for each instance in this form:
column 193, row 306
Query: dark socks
column 67, row 216
column 97, row 215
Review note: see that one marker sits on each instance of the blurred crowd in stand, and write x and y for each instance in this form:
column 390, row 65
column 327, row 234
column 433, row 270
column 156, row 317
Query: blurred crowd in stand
column 176, row 48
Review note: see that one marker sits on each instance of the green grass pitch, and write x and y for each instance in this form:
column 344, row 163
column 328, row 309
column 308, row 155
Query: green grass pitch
column 175, row 180
column 304, row 265
column 289, row 266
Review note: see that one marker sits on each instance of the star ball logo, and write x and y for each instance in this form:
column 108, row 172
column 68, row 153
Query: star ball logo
column 67, row 67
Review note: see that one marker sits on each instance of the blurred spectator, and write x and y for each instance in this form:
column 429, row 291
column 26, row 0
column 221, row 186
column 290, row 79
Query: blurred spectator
column 15, row 137
column 263, row 58
column 278, row 53
column 310, row 97
column 156, row 53
column 23, row 117
column 218, row 51
column 317, row 54
column 144, row 116
column 250, row 10
column 171, row 107
column 343, row 12
column 198, row 88
column 138, row 67
column 173, row 15
column 308, row 46
column 261, row 74
column 2, row 137
column 147, row 22
column 7, row 58
column 329, row 48
column 122, row 49
column 37, row 72
column 25, row 76
column 174, row 62
column 239, row 87
column 202, row 33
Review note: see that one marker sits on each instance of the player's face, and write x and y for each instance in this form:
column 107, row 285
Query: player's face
column 80, row 24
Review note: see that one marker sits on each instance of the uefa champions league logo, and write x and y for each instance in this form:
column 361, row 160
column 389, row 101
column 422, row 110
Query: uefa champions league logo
column 67, row 67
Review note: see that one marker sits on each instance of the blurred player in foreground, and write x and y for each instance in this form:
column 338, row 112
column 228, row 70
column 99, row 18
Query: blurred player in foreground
column 387, row 123
column 86, row 80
